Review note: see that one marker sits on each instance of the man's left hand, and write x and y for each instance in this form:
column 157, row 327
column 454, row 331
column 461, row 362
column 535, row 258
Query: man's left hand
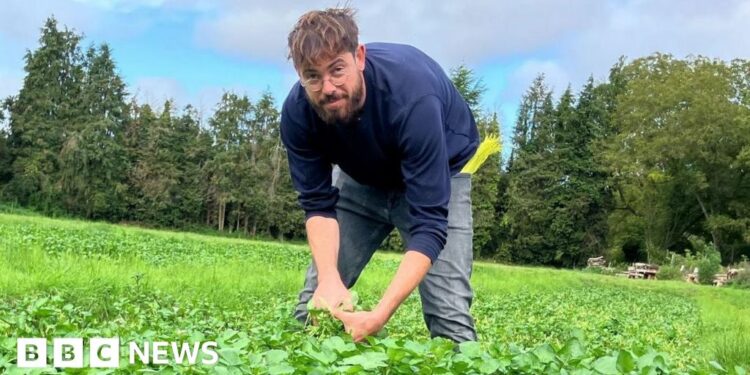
column 362, row 323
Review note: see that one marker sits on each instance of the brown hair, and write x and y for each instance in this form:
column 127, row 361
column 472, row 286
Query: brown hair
column 321, row 34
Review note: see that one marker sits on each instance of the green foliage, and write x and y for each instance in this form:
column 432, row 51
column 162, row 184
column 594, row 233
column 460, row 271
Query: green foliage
column 76, row 146
column 600, row 270
column 708, row 260
column 681, row 128
column 484, row 192
column 669, row 272
column 393, row 242
column 741, row 280
column 245, row 347
column 557, row 200
column 41, row 114
column 83, row 279
column 627, row 167
column 707, row 268
column 5, row 157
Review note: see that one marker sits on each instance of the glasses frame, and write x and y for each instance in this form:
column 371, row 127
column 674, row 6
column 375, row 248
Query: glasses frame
column 316, row 84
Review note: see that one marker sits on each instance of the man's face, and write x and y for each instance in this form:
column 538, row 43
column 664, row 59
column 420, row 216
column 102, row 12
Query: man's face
column 335, row 86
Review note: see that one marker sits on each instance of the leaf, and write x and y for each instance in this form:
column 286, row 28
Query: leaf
column 625, row 361
column 279, row 369
column 415, row 347
column 545, row 354
column 368, row 360
column 646, row 360
column 606, row 365
column 717, row 366
column 325, row 357
column 471, row 349
column 355, row 299
column 276, row 356
column 229, row 357
column 573, row 349
column 489, row 366
column 338, row 345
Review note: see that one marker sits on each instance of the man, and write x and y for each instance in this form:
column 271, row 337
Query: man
column 399, row 132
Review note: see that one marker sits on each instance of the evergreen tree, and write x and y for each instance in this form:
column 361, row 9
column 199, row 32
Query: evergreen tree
column 224, row 171
column 485, row 180
column 484, row 195
column 532, row 175
column 580, row 198
column 155, row 176
column 280, row 208
column 92, row 160
column 192, row 144
column 43, row 115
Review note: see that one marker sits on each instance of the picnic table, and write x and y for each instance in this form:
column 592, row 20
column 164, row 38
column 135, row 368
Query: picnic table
column 642, row 271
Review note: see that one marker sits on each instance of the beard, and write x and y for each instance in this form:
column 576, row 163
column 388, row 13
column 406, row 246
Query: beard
column 346, row 113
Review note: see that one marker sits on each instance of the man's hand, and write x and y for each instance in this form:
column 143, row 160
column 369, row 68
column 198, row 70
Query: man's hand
column 323, row 236
column 331, row 294
column 361, row 324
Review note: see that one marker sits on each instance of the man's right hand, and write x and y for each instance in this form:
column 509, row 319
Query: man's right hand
column 332, row 294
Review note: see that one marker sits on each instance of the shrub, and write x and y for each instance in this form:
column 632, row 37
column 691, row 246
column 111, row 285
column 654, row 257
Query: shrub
column 615, row 255
column 707, row 268
column 708, row 260
column 742, row 280
column 669, row 273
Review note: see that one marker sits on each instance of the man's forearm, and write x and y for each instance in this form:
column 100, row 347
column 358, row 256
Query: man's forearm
column 323, row 237
column 413, row 268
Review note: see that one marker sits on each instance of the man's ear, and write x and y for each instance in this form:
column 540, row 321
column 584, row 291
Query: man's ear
column 360, row 54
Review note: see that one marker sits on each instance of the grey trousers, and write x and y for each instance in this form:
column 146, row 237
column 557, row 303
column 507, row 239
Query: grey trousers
column 366, row 215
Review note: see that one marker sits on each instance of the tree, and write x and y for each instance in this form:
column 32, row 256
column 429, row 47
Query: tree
column 532, row 174
column 5, row 161
column 580, row 198
column 92, row 160
column 224, row 170
column 555, row 203
column 43, row 115
column 192, row 146
column 682, row 132
column 154, row 178
column 485, row 181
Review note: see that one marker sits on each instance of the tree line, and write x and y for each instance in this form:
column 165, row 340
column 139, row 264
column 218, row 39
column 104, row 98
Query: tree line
column 632, row 168
column 76, row 144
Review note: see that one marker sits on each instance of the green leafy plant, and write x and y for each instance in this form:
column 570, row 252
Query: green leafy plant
column 72, row 279
column 669, row 273
column 321, row 323
column 709, row 260
column 741, row 280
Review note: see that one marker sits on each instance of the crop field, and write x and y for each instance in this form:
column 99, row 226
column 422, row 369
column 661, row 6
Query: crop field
column 64, row 278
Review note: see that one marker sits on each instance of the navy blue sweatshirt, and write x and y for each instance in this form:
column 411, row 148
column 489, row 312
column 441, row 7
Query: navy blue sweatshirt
column 415, row 132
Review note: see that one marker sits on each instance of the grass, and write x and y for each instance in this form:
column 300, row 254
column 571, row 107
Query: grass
column 92, row 262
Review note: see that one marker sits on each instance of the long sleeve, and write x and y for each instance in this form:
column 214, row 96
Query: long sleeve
column 310, row 171
column 426, row 175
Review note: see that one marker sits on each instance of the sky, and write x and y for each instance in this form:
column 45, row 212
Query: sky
column 194, row 50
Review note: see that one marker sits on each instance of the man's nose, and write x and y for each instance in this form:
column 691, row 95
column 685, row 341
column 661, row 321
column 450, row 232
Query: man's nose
column 328, row 87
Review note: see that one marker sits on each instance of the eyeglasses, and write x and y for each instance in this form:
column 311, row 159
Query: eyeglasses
column 337, row 77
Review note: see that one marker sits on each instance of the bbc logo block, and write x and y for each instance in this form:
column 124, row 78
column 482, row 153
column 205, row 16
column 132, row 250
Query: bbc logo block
column 105, row 352
column 68, row 352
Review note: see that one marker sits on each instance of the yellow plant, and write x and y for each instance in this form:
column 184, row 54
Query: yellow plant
column 490, row 145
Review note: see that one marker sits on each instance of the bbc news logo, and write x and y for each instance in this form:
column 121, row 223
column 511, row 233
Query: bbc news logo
column 105, row 352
